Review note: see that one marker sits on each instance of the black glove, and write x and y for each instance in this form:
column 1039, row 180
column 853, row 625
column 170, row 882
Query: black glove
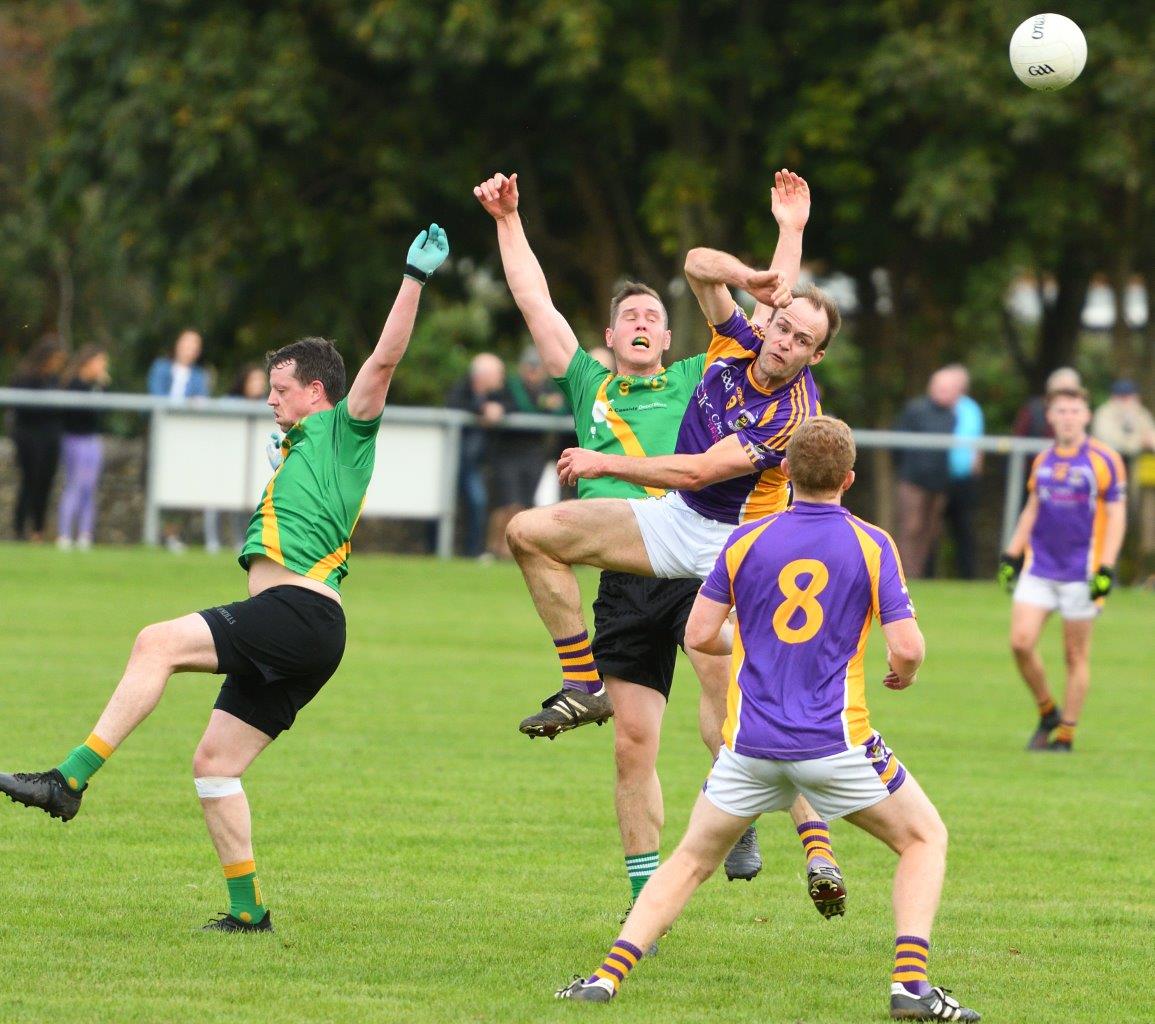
column 1102, row 582
column 1009, row 568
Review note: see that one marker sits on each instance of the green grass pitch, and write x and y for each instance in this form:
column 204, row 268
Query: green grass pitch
column 425, row 862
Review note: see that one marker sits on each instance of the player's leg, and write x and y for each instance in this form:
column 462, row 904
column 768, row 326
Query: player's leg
column 744, row 860
column 710, row 835
column 909, row 824
column 638, row 712
column 546, row 542
column 1077, row 650
column 225, row 751
column 160, row 650
column 1027, row 621
column 824, row 881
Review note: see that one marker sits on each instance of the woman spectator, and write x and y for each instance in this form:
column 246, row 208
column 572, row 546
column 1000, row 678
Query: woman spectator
column 83, row 452
column 36, row 434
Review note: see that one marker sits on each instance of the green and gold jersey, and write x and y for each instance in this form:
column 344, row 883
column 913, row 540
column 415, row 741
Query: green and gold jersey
column 626, row 415
column 313, row 501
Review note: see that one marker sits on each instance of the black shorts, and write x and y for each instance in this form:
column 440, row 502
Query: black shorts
column 276, row 650
column 639, row 622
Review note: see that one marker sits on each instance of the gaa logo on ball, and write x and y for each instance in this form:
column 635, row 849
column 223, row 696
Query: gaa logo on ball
column 1048, row 52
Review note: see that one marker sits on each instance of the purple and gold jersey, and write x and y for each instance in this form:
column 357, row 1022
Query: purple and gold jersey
column 728, row 401
column 1074, row 486
column 805, row 585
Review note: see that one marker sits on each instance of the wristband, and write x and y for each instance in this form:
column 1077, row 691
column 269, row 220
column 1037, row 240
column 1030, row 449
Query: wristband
column 417, row 275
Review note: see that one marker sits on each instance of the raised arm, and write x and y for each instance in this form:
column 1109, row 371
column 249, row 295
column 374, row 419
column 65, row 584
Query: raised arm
column 367, row 395
column 723, row 461
column 711, row 273
column 790, row 203
column 554, row 338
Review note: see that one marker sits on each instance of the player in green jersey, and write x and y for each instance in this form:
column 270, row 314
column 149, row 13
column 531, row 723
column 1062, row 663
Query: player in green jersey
column 279, row 647
column 636, row 409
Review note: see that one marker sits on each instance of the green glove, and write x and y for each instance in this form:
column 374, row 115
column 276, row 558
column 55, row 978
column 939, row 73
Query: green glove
column 1009, row 568
column 426, row 254
column 1102, row 582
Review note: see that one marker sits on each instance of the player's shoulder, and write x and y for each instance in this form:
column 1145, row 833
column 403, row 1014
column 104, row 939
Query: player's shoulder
column 872, row 530
column 1105, row 451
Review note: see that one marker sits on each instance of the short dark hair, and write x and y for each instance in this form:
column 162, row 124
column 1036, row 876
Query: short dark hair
column 312, row 359
column 820, row 300
column 821, row 452
column 1080, row 393
column 629, row 290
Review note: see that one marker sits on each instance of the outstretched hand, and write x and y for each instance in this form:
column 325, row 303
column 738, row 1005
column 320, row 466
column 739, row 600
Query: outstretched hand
column 790, row 200
column 428, row 250
column 770, row 288
column 498, row 195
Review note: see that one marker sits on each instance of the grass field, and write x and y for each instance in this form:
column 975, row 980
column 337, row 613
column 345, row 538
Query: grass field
column 425, row 862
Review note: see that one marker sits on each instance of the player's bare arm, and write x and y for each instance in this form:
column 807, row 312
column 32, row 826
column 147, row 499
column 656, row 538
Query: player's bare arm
column 905, row 651
column 1113, row 531
column 706, row 627
column 554, row 338
column 367, row 395
column 723, row 461
column 711, row 273
column 790, row 204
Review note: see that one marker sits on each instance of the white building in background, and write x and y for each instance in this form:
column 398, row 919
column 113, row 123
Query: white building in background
column 1025, row 301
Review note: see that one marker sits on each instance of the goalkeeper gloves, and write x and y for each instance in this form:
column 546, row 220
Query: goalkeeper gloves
column 1102, row 582
column 426, row 254
column 1009, row 568
column 273, row 449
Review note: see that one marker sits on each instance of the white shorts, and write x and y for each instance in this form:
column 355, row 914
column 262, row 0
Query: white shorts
column 680, row 543
column 1071, row 600
column 836, row 785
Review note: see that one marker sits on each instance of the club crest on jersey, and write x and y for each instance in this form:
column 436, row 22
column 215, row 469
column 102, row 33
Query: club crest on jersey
column 743, row 420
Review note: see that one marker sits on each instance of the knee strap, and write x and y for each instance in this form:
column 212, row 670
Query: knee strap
column 212, row 786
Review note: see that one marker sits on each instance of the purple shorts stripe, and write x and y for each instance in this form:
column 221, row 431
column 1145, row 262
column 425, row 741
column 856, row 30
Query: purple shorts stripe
column 899, row 778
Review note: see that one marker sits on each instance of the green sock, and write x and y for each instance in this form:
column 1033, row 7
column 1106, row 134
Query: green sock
column 245, row 901
column 639, row 867
column 84, row 762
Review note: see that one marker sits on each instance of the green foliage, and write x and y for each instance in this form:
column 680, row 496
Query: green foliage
column 258, row 168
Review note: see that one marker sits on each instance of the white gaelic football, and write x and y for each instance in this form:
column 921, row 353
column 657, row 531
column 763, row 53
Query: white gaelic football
column 1048, row 52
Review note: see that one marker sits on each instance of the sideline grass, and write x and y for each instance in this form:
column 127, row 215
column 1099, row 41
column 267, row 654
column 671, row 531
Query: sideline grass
column 424, row 862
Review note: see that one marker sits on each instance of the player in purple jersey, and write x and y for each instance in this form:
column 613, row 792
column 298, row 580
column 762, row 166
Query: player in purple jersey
column 1068, row 537
column 805, row 584
column 756, row 389
column 639, row 620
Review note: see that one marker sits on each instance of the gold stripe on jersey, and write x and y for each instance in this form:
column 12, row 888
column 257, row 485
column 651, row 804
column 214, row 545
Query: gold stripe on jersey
column 854, row 715
column 624, row 434
column 270, row 528
column 735, row 555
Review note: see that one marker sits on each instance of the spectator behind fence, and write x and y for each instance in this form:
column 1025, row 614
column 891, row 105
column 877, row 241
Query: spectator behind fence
column 482, row 392
column 1031, row 419
column 179, row 377
column 36, row 435
column 522, row 456
column 251, row 382
column 1125, row 424
column 966, row 466
column 924, row 473
column 83, row 451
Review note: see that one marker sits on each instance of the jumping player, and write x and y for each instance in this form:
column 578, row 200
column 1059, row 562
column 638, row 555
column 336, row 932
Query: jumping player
column 804, row 585
column 1068, row 536
column 635, row 409
column 279, row 647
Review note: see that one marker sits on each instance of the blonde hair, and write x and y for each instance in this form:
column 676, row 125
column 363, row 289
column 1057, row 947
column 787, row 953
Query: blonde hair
column 821, row 453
